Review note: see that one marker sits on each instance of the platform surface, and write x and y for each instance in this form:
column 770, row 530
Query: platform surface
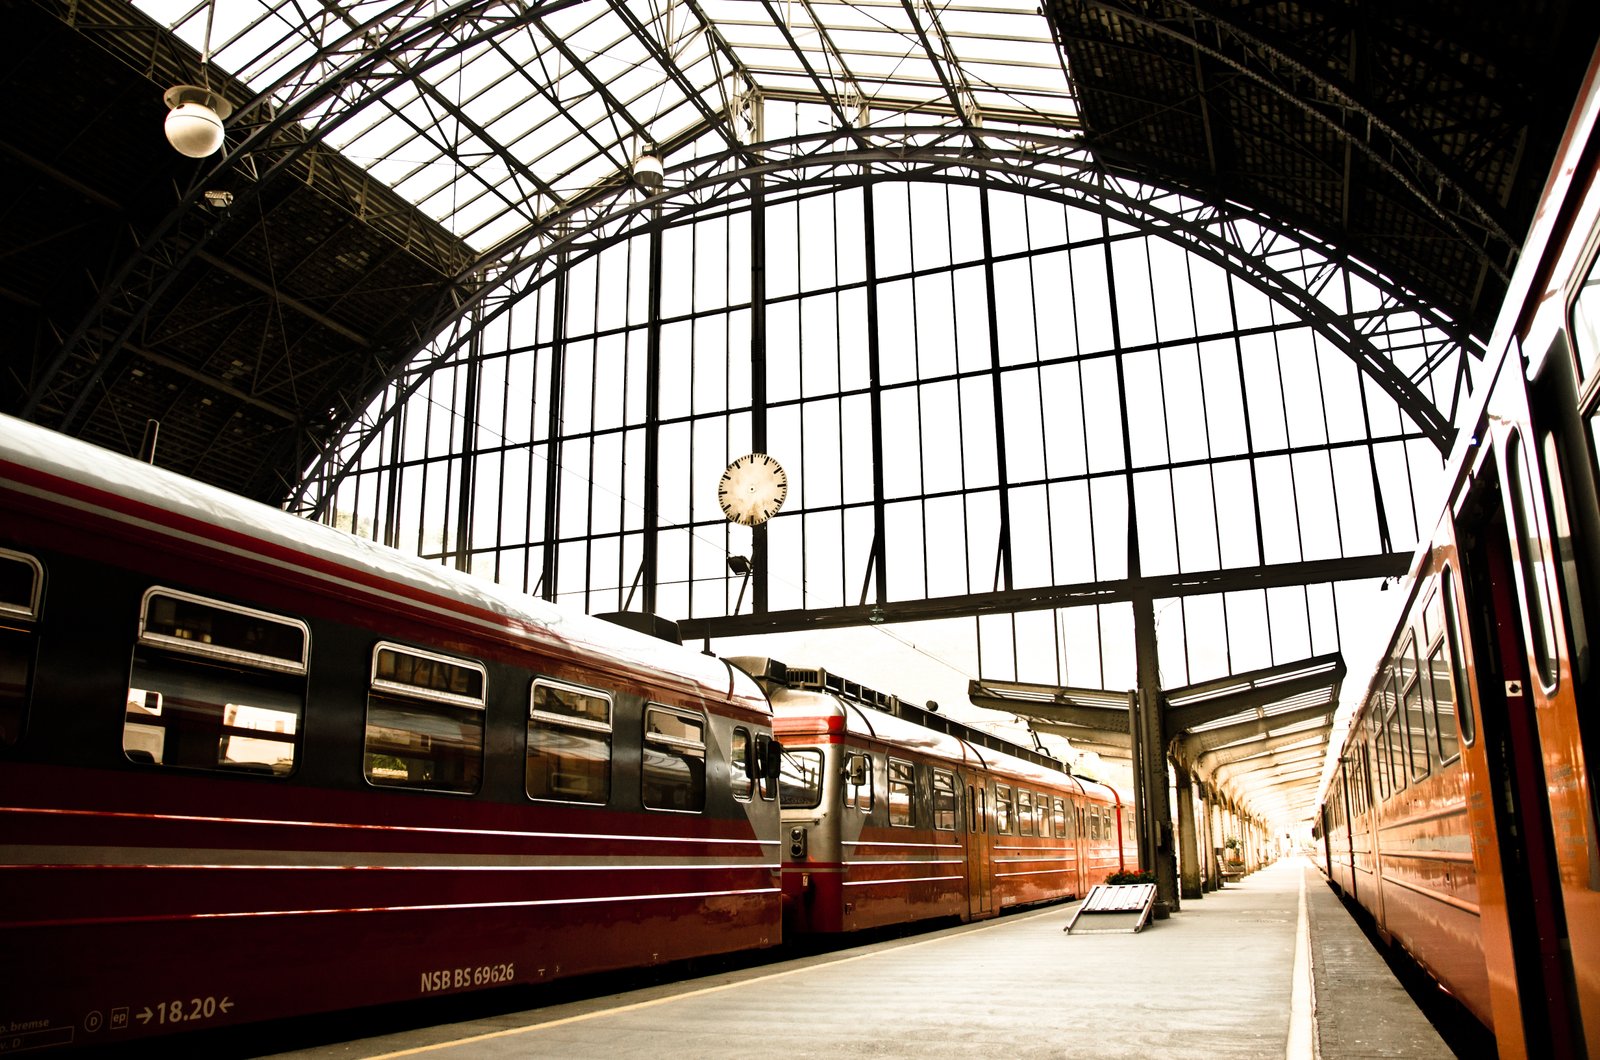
column 1219, row 979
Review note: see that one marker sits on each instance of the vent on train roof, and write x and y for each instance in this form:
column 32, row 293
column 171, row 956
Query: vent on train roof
column 816, row 679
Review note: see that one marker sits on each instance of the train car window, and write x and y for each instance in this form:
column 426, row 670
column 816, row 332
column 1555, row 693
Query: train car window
column 1025, row 818
column 946, row 800
column 1002, row 808
column 1566, row 559
column 902, row 793
column 858, row 775
column 1395, row 727
column 1380, row 746
column 767, row 782
column 1060, row 813
column 21, row 585
column 1531, row 556
column 569, row 744
column 215, row 686
column 1458, row 658
column 1586, row 324
column 1444, row 704
column 21, row 591
column 1415, row 708
column 1370, row 770
column 673, row 768
column 800, row 779
column 424, row 721
column 739, row 778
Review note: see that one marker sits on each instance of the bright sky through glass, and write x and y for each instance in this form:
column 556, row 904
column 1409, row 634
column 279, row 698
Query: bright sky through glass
column 1249, row 438
column 504, row 130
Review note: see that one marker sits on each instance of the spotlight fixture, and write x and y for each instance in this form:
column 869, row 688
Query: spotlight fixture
column 195, row 113
column 218, row 199
column 742, row 566
column 647, row 170
column 194, row 119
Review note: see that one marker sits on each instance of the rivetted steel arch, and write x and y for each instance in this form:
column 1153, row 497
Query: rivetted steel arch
column 1236, row 239
column 286, row 120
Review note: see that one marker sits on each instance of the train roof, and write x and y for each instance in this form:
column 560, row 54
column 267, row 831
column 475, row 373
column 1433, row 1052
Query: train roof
column 42, row 463
column 866, row 711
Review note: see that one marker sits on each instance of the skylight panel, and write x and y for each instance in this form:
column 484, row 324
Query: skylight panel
column 560, row 101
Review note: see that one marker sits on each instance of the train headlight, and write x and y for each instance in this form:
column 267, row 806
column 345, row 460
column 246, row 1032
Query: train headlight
column 797, row 844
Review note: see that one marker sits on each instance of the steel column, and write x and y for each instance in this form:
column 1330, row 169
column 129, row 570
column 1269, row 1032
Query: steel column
column 1189, row 879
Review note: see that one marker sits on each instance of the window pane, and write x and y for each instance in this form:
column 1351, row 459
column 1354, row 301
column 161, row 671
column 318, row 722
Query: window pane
column 429, row 746
column 16, row 660
column 1530, row 550
column 213, row 629
column 1415, row 711
column 945, row 800
column 572, row 765
column 1458, row 658
column 428, row 673
column 673, row 767
column 19, row 585
column 902, row 792
column 20, row 578
column 1586, row 323
column 800, row 782
column 1025, row 821
column 214, row 687
column 1002, row 808
column 1444, row 704
column 739, row 779
column 1417, row 730
column 561, row 702
column 1397, row 747
column 270, row 746
column 861, row 794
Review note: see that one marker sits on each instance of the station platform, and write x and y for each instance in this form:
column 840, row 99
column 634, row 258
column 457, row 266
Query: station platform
column 1270, row 966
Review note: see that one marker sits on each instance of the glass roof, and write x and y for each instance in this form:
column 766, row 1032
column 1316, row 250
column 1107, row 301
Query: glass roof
column 493, row 122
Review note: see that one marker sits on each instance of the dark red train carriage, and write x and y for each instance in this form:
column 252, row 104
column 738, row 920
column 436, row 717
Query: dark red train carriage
column 253, row 767
column 892, row 813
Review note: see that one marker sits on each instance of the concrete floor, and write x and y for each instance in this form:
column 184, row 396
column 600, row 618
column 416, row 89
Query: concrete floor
column 1218, row 980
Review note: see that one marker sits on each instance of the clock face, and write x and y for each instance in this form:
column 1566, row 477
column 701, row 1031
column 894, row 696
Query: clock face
column 752, row 489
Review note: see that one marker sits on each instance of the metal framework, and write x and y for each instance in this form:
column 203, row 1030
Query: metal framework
column 1009, row 381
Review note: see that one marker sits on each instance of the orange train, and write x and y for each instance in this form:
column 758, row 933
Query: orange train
column 1462, row 813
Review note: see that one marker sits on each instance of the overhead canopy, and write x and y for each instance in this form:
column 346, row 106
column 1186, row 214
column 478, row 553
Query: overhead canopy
column 442, row 133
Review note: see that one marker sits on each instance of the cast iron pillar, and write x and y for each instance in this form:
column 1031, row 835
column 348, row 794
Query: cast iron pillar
column 1156, row 848
column 1188, row 846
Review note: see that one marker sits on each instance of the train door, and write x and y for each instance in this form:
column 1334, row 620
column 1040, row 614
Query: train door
column 1346, row 779
column 1529, row 920
column 980, row 864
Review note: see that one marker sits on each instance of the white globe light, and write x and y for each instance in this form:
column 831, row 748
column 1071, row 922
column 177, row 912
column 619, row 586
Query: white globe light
column 648, row 172
column 194, row 129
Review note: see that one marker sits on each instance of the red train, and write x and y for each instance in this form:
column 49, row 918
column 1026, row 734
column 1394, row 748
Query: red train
column 252, row 767
column 893, row 813
column 1462, row 815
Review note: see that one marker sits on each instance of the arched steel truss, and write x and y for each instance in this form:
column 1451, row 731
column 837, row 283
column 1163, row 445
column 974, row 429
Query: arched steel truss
column 276, row 135
column 1294, row 272
column 721, row 163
